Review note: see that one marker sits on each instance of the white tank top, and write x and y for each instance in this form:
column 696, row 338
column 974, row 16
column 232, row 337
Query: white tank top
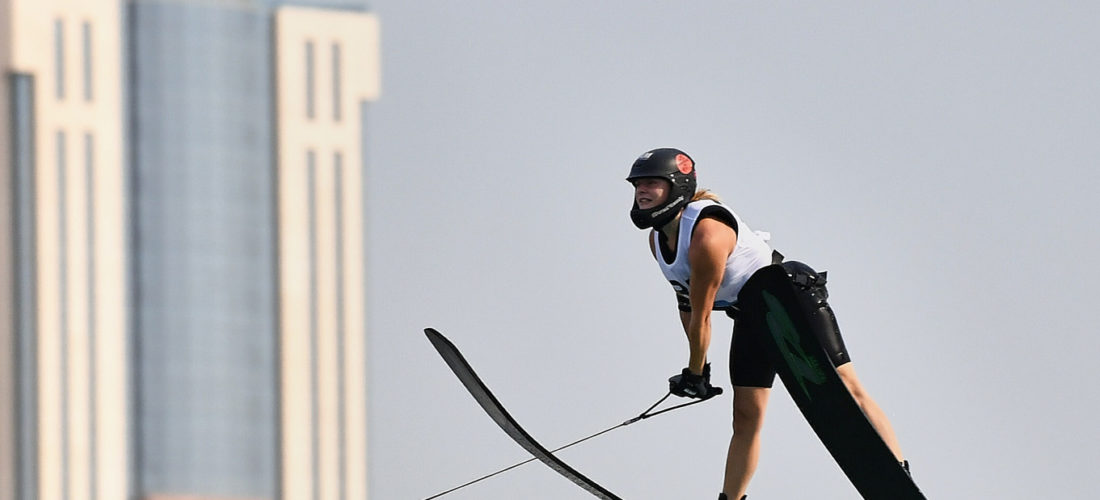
column 752, row 252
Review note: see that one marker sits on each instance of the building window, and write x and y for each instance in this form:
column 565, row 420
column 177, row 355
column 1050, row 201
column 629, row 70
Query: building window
column 336, row 82
column 63, row 305
column 86, row 37
column 341, row 324
column 310, row 77
column 59, row 58
column 89, row 224
column 314, row 320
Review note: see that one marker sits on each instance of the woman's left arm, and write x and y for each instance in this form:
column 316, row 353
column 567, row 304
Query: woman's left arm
column 711, row 245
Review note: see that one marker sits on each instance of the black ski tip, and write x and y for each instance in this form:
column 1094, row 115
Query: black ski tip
column 439, row 341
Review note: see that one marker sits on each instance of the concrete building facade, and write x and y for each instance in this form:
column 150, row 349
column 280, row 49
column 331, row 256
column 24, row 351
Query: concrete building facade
column 182, row 285
column 65, row 251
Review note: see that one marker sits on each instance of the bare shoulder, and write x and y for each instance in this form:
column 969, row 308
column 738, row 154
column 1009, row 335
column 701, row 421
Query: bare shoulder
column 712, row 236
column 708, row 229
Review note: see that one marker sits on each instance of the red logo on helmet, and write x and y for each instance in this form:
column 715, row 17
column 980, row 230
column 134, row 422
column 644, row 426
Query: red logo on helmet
column 684, row 164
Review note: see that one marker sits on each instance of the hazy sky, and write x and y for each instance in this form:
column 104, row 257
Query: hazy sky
column 938, row 158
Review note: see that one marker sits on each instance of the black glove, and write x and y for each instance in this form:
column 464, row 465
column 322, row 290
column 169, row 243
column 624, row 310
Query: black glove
column 690, row 385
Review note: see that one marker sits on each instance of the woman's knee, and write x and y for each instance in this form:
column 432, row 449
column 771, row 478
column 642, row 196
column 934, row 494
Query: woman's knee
column 749, row 405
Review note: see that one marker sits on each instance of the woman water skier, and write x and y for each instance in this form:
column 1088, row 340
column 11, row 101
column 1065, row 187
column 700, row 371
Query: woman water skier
column 708, row 253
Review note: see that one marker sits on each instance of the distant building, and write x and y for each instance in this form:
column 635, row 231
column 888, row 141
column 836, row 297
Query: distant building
column 63, row 253
column 181, row 276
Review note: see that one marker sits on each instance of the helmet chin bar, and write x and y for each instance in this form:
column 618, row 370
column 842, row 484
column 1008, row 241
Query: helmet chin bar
column 657, row 217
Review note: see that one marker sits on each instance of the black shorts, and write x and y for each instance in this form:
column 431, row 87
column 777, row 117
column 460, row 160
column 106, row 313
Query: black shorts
column 750, row 365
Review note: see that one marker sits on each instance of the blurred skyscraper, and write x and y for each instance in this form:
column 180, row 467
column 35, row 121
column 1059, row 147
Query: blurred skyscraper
column 63, row 251
column 182, row 288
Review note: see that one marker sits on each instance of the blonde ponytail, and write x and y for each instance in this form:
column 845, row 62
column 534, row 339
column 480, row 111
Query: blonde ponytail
column 705, row 194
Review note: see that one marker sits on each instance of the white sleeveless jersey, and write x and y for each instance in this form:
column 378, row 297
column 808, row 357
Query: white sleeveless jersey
column 752, row 252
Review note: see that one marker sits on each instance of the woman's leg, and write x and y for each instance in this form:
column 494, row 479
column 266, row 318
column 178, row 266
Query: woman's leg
column 870, row 408
column 749, row 404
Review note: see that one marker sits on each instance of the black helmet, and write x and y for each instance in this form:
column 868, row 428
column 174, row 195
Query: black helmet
column 672, row 165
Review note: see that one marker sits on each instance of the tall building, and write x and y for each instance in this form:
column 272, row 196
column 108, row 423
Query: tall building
column 249, row 247
column 327, row 69
column 205, row 261
column 63, row 251
column 184, row 316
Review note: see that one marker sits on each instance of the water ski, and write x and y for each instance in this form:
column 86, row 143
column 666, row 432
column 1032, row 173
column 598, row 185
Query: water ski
column 770, row 298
